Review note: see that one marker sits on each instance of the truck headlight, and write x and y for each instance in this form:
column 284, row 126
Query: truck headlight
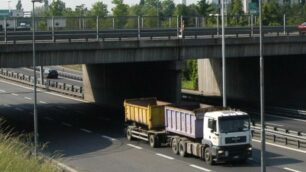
column 220, row 151
column 250, row 148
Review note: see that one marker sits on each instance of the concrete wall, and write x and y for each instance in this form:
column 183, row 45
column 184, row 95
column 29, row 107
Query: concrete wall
column 110, row 84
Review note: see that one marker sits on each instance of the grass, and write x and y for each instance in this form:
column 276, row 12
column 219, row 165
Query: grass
column 189, row 85
column 74, row 67
column 15, row 156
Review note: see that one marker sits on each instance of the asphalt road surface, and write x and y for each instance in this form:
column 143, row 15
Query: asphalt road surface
column 91, row 138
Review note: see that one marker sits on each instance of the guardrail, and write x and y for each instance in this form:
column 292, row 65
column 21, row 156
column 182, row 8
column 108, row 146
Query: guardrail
column 168, row 33
column 52, row 85
column 282, row 136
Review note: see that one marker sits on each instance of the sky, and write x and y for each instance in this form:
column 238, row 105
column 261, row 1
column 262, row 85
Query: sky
column 27, row 4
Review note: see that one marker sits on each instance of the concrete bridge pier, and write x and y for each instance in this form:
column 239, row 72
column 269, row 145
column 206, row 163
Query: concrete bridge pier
column 110, row 84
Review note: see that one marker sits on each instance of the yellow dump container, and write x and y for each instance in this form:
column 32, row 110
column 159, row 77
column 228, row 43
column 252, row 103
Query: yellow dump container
column 145, row 111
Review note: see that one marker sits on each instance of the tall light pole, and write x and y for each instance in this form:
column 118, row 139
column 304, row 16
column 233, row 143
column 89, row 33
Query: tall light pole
column 262, row 98
column 35, row 80
column 223, row 56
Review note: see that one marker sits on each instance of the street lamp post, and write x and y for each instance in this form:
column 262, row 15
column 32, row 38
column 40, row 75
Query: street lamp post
column 35, row 80
column 223, row 56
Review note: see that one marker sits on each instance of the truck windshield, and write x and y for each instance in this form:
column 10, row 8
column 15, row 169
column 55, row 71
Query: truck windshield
column 234, row 124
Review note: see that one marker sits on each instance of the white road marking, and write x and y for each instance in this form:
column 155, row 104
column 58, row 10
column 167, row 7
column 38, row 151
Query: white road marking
column 2, row 91
column 14, row 94
column 19, row 109
column 28, row 98
column 279, row 125
column 109, row 138
column 280, row 146
column 42, row 102
column 290, row 169
column 66, row 124
column 85, row 130
column 66, row 167
column 134, row 146
column 49, row 119
column 198, row 167
column 164, row 156
column 51, row 93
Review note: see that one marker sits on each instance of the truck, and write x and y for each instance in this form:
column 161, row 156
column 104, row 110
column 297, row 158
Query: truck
column 145, row 120
column 215, row 134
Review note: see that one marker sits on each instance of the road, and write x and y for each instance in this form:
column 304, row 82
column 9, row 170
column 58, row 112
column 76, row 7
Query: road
column 90, row 138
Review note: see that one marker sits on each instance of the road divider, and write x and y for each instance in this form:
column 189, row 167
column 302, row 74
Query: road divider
column 52, row 85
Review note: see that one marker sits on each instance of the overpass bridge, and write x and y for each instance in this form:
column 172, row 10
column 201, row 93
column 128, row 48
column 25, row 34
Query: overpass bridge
column 125, row 63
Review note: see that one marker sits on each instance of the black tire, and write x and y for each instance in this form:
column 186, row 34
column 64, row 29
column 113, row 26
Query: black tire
column 174, row 146
column 129, row 134
column 208, row 156
column 153, row 140
column 182, row 149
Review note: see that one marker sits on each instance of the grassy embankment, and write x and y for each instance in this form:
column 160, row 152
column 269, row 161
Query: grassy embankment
column 15, row 156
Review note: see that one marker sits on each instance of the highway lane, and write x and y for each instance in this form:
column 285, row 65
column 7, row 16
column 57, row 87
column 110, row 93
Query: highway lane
column 77, row 130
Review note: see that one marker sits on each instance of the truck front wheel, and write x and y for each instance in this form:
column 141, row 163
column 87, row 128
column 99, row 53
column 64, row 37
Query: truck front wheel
column 208, row 156
column 174, row 146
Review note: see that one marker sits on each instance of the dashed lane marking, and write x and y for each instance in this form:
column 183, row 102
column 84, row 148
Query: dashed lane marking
column 109, row 138
column 14, row 94
column 28, row 98
column 280, row 146
column 66, row 124
column 200, row 168
column 134, row 146
column 2, row 91
column 164, row 156
column 19, row 109
column 42, row 102
column 290, row 169
column 49, row 119
column 85, row 130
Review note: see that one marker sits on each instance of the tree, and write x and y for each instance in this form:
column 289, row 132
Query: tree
column 168, row 8
column 81, row 10
column 19, row 5
column 205, row 9
column 46, row 4
column 121, row 11
column 57, row 8
column 236, row 12
column 271, row 14
column 99, row 9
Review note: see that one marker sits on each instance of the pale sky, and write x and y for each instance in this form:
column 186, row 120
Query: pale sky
column 27, row 4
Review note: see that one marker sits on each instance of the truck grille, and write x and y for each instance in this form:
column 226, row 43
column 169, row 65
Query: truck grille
column 239, row 139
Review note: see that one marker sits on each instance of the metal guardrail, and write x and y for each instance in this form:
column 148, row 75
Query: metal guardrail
column 282, row 136
column 56, row 86
column 169, row 33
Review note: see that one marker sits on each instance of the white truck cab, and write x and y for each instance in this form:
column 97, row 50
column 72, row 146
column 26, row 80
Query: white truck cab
column 227, row 134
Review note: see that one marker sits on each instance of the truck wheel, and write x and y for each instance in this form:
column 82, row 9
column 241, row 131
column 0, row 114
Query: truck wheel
column 182, row 148
column 174, row 146
column 153, row 140
column 208, row 157
column 129, row 134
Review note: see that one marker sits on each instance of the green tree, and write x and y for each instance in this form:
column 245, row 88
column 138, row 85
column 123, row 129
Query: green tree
column 120, row 11
column 271, row 14
column 168, row 8
column 236, row 12
column 81, row 10
column 99, row 9
column 46, row 4
column 57, row 8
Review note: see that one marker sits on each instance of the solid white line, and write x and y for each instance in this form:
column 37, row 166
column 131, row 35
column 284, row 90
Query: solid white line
column 290, row 169
column 28, row 98
column 109, row 138
column 87, row 131
column 42, row 102
column 66, row 167
column 14, row 94
column 66, row 124
column 3, row 91
column 49, row 119
column 19, row 109
column 133, row 146
column 54, row 94
column 164, row 156
column 280, row 146
column 198, row 167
